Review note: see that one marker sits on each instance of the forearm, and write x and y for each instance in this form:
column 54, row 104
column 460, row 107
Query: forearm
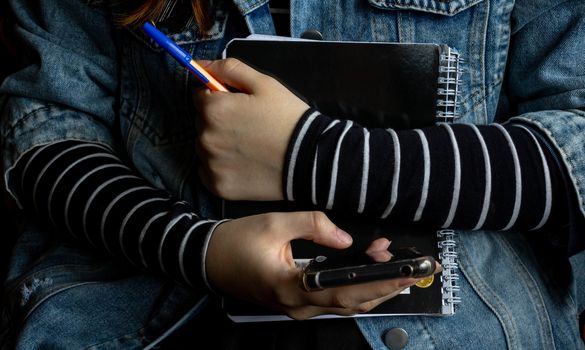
column 460, row 176
column 83, row 189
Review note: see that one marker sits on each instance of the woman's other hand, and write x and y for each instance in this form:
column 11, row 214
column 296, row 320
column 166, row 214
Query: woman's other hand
column 244, row 135
column 251, row 259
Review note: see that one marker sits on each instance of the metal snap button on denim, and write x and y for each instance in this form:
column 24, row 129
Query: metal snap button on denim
column 312, row 34
column 396, row 338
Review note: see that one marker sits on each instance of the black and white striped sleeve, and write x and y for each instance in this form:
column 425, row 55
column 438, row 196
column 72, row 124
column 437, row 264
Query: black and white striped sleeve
column 85, row 190
column 450, row 175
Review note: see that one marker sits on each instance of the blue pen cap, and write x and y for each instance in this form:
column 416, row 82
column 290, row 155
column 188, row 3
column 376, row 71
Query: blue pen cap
column 172, row 48
column 161, row 39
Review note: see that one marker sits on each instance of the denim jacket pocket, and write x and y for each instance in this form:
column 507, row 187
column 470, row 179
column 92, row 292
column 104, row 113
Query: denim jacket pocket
column 439, row 7
column 188, row 36
column 155, row 93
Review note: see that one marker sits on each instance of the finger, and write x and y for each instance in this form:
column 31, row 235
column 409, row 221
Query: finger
column 207, row 102
column 305, row 312
column 351, row 297
column 369, row 305
column 235, row 73
column 380, row 256
column 438, row 267
column 200, row 96
column 379, row 244
column 316, row 226
column 378, row 250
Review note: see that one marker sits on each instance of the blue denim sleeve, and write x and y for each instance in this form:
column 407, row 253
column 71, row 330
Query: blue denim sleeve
column 547, row 82
column 547, row 79
column 66, row 88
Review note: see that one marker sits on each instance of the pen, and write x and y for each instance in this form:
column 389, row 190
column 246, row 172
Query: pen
column 183, row 57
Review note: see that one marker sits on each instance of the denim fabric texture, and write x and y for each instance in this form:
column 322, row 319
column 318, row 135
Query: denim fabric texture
column 87, row 79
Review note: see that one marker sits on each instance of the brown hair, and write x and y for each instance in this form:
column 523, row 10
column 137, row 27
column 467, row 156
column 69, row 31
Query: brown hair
column 148, row 10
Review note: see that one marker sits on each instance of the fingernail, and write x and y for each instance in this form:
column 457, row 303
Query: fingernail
column 204, row 63
column 387, row 244
column 343, row 236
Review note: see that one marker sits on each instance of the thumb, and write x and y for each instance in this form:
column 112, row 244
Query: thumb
column 234, row 73
column 316, row 226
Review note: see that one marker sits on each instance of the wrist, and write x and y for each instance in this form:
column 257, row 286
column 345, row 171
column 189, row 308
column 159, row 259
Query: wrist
column 302, row 145
column 205, row 254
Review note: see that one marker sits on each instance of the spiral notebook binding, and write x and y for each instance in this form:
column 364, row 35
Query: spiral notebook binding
column 450, row 71
column 449, row 277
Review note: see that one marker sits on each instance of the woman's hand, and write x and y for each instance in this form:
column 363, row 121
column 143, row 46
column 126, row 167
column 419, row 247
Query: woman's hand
column 251, row 259
column 243, row 136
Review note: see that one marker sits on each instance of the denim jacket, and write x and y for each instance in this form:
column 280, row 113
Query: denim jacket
column 87, row 79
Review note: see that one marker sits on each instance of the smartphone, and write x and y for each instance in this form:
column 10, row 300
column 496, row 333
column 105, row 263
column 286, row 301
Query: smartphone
column 322, row 272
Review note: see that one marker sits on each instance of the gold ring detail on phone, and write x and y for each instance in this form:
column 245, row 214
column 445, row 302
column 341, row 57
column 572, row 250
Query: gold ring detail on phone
column 425, row 282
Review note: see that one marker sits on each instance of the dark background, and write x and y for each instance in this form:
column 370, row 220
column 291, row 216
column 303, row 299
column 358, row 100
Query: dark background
column 9, row 209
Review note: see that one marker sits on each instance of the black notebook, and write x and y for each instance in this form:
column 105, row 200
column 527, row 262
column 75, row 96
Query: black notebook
column 388, row 85
column 385, row 85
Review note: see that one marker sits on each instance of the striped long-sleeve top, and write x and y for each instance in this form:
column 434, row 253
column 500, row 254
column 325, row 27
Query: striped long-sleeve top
column 449, row 175
column 86, row 191
column 465, row 176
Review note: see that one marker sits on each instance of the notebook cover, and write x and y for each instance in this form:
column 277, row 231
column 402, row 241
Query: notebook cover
column 378, row 84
